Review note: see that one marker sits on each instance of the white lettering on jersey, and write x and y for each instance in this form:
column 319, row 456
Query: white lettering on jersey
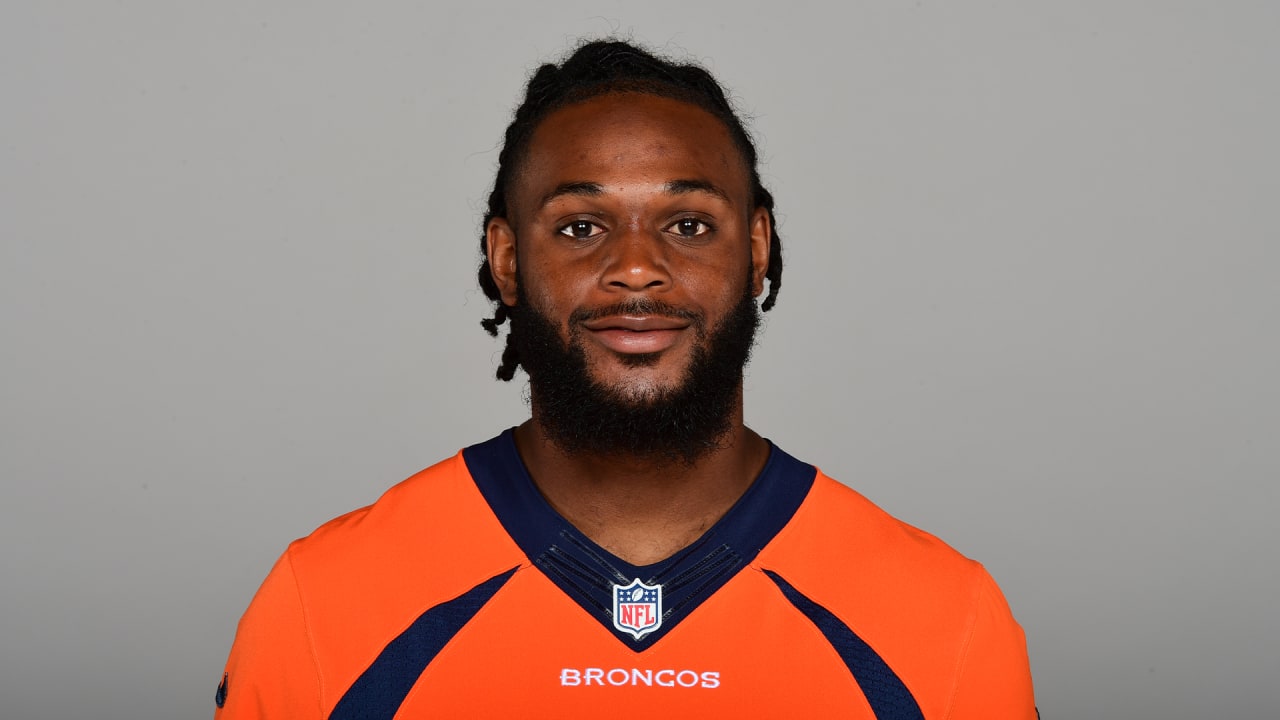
column 623, row 677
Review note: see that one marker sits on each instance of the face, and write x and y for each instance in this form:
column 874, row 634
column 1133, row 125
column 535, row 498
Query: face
column 631, row 233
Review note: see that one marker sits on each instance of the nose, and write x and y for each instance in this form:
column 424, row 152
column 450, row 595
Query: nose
column 636, row 259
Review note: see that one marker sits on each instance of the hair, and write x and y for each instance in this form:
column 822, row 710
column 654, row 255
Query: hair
column 600, row 68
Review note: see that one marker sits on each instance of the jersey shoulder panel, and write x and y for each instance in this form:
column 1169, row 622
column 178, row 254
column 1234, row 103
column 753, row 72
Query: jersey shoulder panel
column 838, row 529
column 427, row 540
column 915, row 600
column 435, row 523
column 362, row 579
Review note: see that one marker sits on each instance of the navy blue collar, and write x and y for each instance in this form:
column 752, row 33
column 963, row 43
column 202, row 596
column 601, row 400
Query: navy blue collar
column 588, row 573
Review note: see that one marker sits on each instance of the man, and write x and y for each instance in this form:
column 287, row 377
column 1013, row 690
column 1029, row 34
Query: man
column 633, row 547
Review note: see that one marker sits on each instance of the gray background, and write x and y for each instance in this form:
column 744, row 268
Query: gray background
column 1030, row 306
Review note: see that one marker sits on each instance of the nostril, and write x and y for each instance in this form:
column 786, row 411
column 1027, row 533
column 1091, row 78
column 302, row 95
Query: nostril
column 635, row 266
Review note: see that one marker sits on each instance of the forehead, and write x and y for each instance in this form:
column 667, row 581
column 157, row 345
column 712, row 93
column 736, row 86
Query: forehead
column 623, row 138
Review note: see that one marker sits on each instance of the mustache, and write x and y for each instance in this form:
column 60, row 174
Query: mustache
column 636, row 306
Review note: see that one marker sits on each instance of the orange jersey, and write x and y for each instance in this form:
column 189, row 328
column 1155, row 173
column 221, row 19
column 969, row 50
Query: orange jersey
column 461, row 593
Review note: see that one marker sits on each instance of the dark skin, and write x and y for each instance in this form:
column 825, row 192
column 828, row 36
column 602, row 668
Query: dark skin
column 621, row 196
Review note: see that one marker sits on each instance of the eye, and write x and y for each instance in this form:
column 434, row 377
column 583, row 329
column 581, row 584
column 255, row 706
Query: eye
column 689, row 227
column 581, row 230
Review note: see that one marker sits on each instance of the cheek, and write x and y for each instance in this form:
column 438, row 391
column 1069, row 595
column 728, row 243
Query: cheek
column 552, row 297
column 558, row 281
column 719, row 282
column 536, row 295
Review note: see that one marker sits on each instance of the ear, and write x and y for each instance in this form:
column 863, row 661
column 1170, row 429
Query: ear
column 500, row 247
column 761, row 246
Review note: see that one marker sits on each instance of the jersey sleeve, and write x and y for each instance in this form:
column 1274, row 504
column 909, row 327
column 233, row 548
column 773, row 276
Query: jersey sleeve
column 272, row 672
column 994, row 677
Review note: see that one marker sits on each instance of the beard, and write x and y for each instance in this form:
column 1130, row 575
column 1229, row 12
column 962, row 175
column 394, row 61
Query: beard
column 666, row 424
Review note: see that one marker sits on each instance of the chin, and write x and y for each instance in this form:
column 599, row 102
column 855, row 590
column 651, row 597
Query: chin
column 642, row 383
column 639, row 391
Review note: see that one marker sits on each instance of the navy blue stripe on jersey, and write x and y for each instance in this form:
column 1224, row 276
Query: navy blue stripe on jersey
column 888, row 697
column 383, row 686
column 587, row 572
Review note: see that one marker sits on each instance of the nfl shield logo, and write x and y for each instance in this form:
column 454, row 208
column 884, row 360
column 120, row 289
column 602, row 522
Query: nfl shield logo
column 637, row 608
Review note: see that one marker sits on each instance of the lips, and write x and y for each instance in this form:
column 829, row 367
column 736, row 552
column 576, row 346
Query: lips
column 636, row 334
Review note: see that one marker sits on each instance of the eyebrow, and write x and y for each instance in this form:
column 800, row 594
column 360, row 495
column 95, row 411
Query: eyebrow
column 672, row 187
column 681, row 187
column 578, row 189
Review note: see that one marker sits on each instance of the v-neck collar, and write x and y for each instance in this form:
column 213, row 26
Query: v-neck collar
column 606, row 585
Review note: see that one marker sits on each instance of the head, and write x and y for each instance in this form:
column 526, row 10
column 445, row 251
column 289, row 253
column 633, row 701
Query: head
column 627, row 239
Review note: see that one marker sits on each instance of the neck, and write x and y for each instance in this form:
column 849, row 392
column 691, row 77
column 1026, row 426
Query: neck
column 643, row 510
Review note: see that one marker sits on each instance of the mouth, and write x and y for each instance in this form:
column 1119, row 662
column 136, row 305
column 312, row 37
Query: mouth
column 636, row 334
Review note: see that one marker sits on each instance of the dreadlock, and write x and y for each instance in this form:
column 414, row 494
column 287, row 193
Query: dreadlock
column 599, row 68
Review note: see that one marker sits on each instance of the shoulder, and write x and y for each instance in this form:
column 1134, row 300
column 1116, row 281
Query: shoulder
column 884, row 578
column 417, row 503
column 432, row 533
column 837, row 533
column 928, row 610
